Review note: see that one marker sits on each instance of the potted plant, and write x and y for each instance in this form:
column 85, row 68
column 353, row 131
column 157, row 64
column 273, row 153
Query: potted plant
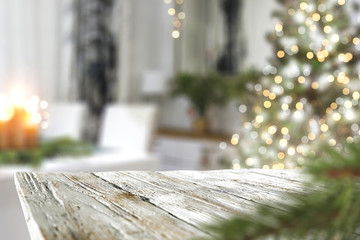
column 202, row 91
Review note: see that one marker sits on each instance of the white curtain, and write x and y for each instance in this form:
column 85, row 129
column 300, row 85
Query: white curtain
column 36, row 47
column 202, row 36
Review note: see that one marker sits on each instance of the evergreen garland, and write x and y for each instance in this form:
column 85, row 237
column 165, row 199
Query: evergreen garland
column 48, row 149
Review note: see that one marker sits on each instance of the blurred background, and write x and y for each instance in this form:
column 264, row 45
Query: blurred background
column 101, row 53
column 107, row 85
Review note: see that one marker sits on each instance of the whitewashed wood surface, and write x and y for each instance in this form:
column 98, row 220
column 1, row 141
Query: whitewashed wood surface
column 147, row 205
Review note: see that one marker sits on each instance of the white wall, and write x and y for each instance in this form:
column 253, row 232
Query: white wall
column 37, row 49
column 201, row 38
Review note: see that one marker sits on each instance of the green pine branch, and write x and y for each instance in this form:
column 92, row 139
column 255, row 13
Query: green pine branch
column 48, row 149
column 330, row 213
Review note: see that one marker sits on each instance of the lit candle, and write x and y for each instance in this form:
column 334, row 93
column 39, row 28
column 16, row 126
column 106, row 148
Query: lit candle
column 6, row 113
column 3, row 142
column 33, row 119
column 32, row 130
column 16, row 129
column 31, row 136
column 19, row 120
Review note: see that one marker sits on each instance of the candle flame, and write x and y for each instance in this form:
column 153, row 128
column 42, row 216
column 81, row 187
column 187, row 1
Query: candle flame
column 17, row 98
column 6, row 108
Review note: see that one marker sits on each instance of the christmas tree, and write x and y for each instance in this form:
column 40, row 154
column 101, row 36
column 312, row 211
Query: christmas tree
column 309, row 94
column 305, row 111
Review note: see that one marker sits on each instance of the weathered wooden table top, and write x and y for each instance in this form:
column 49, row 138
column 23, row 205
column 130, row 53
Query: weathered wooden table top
column 146, row 205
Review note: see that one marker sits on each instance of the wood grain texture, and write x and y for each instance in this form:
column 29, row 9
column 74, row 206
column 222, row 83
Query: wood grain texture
column 146, row 205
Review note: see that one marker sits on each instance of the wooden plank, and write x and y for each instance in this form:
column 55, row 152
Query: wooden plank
column 245, row 177
column 81, row 206
column 145, row 205
column 296, row 176
column 229, row 203
column 189, row 209
column 290, row 174
column 244, row 184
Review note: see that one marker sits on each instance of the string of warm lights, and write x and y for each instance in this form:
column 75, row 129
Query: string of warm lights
column 177, row 17
column 310, row 93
